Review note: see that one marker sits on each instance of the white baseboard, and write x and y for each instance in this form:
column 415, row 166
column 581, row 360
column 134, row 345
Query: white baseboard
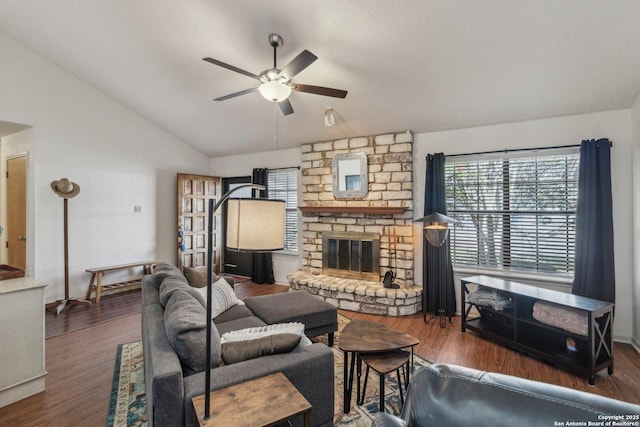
column 21, row 390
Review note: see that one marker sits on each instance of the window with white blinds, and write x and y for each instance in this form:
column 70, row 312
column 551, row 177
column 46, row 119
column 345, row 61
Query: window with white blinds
column 516, row 212
column 283, row 185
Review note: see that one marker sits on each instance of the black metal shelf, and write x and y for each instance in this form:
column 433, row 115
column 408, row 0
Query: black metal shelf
column 516, row 328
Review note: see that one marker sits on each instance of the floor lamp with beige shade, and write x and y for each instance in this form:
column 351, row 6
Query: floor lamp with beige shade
column 253, row 225
column 66, row 190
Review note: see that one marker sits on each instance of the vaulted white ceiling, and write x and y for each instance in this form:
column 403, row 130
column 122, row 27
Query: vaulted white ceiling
column 420, row 65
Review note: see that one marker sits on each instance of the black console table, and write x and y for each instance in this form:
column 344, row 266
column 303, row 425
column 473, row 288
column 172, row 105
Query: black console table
column 515, row 326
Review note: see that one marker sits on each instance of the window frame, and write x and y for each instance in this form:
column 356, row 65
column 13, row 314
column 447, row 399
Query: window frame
column 292, row 217
column 503, row 266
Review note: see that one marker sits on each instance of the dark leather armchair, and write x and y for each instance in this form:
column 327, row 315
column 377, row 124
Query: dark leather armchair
column 449, row 395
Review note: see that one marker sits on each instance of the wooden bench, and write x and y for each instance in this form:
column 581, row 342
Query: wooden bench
column 98, row 272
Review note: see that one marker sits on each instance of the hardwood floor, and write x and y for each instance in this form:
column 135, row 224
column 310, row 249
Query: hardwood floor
column 81, row 349
column 450, row 345
column 80, row 317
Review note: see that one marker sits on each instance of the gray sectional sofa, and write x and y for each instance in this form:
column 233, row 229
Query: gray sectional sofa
column 170, row 387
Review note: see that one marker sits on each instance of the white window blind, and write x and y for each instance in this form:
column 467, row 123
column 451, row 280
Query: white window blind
column 283, row 185
column 515, row 212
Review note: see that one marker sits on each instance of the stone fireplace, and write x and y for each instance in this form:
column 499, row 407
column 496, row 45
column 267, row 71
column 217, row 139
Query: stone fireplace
column 338, row 234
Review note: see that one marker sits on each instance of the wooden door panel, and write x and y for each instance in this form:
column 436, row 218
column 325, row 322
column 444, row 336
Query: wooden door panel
column 194, row 192
column 17, row 211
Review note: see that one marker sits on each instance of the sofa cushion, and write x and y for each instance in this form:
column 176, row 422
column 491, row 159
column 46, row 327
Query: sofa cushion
column 222, row 297
column 237, row 324
column 185, row 323
column 173, row 283
column 163, row 270
column 235, row 312
column 238, row 351
column 294, row 306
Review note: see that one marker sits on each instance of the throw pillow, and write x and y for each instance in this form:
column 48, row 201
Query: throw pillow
column 238, row 351
column 222, row 297
column 186, row 328
column 263, row 331
column 196, row 277
column 263, row 344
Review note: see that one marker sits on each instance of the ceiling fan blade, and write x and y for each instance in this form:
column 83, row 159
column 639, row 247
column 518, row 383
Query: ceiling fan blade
column 285, row 107
column 299, row 63
column 230, row 67
column 319, row 90
column 233, row 95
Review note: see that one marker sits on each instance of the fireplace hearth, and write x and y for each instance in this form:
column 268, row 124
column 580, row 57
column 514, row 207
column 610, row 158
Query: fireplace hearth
column 358, row 295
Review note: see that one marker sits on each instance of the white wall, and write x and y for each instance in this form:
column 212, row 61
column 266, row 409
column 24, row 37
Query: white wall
column 614, row 125
column 118, row 158
column 243, row 165
column 635, row 140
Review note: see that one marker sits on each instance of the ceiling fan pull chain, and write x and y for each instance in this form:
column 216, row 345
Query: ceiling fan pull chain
column 275, row 120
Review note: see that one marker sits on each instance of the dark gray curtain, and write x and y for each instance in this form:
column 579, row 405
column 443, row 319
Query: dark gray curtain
column 594, row 267
column 437, row 271
column 262, row 271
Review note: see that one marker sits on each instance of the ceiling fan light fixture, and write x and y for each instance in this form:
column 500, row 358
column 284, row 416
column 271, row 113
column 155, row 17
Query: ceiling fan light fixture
column 274, row 91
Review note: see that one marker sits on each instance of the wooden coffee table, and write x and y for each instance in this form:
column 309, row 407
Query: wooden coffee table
column 264, row 401
column 361, row 336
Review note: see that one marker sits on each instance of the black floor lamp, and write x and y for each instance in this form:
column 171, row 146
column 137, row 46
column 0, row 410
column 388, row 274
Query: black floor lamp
column 253, row 225
column 436, row 230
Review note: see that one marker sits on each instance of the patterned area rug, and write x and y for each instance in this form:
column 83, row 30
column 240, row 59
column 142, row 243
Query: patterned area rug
column 128, row 404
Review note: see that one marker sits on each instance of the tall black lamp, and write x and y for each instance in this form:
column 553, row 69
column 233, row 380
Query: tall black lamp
column 436, row 230
column 252, row 225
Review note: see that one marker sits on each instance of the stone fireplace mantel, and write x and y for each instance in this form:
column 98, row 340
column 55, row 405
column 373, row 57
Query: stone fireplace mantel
column 367, row 210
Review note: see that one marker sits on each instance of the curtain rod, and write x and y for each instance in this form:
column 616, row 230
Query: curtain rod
column 514, row 150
